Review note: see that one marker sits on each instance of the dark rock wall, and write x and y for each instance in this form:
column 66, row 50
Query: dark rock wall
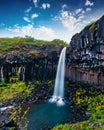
column 87, row 55
column 27, row 67
column 93, row 77
column 29, row 71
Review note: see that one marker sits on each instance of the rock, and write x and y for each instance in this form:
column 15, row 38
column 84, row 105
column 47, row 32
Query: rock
column 87, row 55
column 1, row 124
column 88, row 114
column 5, row 116
column 4, row 108
column 31, row 63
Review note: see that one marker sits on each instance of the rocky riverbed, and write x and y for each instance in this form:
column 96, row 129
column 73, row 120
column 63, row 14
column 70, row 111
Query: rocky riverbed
column 40, row 93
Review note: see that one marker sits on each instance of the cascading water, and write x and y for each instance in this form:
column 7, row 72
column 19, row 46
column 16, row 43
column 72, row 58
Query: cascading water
column 58, row 95
column 23, row 73
column 2, row 75
column 19, row 72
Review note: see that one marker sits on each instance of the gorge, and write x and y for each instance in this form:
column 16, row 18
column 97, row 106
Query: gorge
column 84, row 58
column 27, row 73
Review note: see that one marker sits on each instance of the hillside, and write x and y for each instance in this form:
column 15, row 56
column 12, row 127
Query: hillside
column 7, row 43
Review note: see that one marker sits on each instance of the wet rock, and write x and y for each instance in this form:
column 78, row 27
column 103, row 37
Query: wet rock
column 88, row 114
column 5, row 119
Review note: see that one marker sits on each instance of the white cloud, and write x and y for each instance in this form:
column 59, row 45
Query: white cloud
column 35, row 2
column 70, row 21
column 38, row 33
column 64, row 6
column 79, row 11
column 88, row 3
column 46, row 5
column 73, row 22
column 88, row 9
column 34, row 16
column 28, row 10
column 27, row 19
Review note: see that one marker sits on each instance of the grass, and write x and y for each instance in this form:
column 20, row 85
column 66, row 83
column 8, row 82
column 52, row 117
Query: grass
column 92, row 26
column 7, row 43
column 14, row 90
column 95, row 106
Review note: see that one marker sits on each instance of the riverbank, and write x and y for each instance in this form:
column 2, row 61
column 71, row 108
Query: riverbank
column 28, row 95
column 88, row 111
column 79, row 97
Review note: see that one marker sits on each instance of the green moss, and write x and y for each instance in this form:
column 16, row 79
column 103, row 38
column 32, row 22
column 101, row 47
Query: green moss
column 37, row 82
column 14, row 90
column 92, row 26
column 49, row 83
column 19, row 118
column 7, row 43
column 95, row 106
column 59, row 42
column 12, row 128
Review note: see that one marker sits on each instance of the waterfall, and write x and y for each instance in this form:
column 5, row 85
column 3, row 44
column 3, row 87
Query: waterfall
column 23, row 71
column 58, row 95
column 2, row 75
column 19, row 72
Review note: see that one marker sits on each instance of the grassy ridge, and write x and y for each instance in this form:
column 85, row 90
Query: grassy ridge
column 6, row 43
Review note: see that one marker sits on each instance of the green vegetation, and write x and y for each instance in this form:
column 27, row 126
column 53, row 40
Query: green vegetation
column 92, row 26
column 42, row 83
column 59, row 42
column 94, row 102
column 14, row 90
column 6, row 43
column 19, row 118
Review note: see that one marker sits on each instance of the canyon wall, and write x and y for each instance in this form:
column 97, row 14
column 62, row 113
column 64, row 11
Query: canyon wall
column 87, row 55
column 29, row 63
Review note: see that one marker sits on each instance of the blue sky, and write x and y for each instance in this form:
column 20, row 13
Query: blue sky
column 47, row 19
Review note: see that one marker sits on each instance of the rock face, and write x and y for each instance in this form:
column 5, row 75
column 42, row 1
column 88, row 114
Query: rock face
column 87, row 55
column 29, row 62
column 89, row 43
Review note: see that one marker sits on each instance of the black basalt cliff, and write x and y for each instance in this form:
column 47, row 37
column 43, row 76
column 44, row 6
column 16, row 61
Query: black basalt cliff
column 29, row 62
column 87, row 55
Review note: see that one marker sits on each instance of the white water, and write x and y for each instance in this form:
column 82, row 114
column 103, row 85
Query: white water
column 23, row 73
column 4, row 108
column 58, row 95
column 2, row 75
column 19, row 71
